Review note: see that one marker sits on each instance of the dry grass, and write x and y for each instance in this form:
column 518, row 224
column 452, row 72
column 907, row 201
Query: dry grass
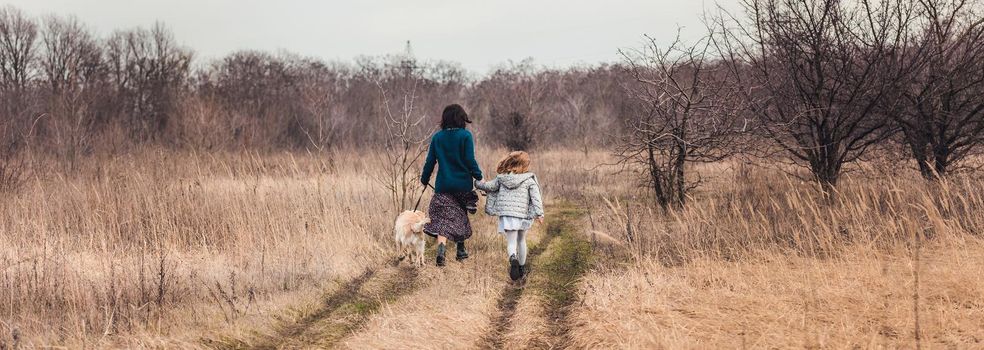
column 175, row 246
column 452, row 310
column 159, row 249
column 860, row 300
column 529, row 323
column 762, row 260
column 749, row 211
column 166, row 249
column 456, row 308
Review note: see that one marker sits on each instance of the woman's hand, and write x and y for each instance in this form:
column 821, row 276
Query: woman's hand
column 540, row 220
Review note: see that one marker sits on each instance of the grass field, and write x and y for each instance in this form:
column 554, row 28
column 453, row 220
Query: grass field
column 183, row 250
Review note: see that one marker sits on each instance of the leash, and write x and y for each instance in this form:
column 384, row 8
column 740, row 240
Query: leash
column 415, row 206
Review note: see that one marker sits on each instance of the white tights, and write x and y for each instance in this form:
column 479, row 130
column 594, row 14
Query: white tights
column 516, row 244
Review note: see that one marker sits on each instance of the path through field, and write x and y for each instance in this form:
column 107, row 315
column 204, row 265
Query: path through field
column 556, row 260
column 552, row 285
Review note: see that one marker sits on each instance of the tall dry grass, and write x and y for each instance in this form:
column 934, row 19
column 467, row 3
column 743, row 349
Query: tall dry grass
column 861, row 299
column 743, row 210
column 761, row 259
column 161, row 247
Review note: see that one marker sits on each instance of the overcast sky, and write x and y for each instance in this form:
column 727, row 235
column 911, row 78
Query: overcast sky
column 477, row 33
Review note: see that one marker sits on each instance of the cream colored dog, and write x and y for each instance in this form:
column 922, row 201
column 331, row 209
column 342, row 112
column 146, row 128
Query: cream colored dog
column 409, row 235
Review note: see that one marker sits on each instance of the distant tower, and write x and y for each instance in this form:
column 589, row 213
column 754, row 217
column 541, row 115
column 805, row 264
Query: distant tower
column 408, row 63
column 408, row 51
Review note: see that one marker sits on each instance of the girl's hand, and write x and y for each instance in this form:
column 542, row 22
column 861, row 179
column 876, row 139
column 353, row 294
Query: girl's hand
column 540, row 220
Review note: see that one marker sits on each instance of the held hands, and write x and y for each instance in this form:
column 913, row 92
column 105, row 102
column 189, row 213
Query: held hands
column 475, row 184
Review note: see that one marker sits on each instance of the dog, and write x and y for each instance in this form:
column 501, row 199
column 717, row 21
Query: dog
column 409, row 235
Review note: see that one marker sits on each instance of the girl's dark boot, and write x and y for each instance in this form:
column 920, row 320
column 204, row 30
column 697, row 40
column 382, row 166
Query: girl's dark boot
column 515, row 272
column 440, row 254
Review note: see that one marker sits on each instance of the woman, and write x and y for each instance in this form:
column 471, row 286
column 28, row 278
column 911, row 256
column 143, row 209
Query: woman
column 453, row 150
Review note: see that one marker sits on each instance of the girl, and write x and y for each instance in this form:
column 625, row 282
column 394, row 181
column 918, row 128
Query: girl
column 514, row 196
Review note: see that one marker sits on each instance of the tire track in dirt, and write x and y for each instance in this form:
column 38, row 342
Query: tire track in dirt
column 506, row 305
column 346, row 294
column 335, row 321
column 568, row 256
column 341, row 313
column 570, row 259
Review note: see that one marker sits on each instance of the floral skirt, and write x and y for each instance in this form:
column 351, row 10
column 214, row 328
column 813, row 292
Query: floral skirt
column 448, row 215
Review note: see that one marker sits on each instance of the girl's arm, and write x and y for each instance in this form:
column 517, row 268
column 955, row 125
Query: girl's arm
column 536, row 200
column 488, row 186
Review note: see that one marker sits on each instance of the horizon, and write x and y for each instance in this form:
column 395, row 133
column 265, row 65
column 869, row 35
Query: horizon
column 581, row 34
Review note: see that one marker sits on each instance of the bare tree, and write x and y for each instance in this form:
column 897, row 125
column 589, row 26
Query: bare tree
column 403, row 150
column 406, row 141
column 514, row 98
column 261, row 94
column 18, row 65
column 577, row 106
column 687, row 113
column 18, row 48
column 320, row 92
column 942, row 114
column 149, row 71
column 820, row 69
column 19, row 109
column 73, row 68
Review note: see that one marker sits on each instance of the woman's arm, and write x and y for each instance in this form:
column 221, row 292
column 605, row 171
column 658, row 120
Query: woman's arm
column 425, row 174
column 473, row 168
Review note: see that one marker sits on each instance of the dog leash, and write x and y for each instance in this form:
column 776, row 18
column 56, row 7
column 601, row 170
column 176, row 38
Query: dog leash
column 415, row 206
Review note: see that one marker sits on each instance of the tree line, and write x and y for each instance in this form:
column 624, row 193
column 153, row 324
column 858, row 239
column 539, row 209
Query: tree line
column 69, row 92
column 818, row 84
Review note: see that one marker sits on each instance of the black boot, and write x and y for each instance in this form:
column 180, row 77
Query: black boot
column 440, row 254
column 462, row 253
column 515, row 269
column 522, row 271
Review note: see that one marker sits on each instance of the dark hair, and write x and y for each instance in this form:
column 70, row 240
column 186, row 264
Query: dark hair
column 454, row 116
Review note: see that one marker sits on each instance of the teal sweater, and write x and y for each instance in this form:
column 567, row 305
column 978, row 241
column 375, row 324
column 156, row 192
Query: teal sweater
column 454, row 151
